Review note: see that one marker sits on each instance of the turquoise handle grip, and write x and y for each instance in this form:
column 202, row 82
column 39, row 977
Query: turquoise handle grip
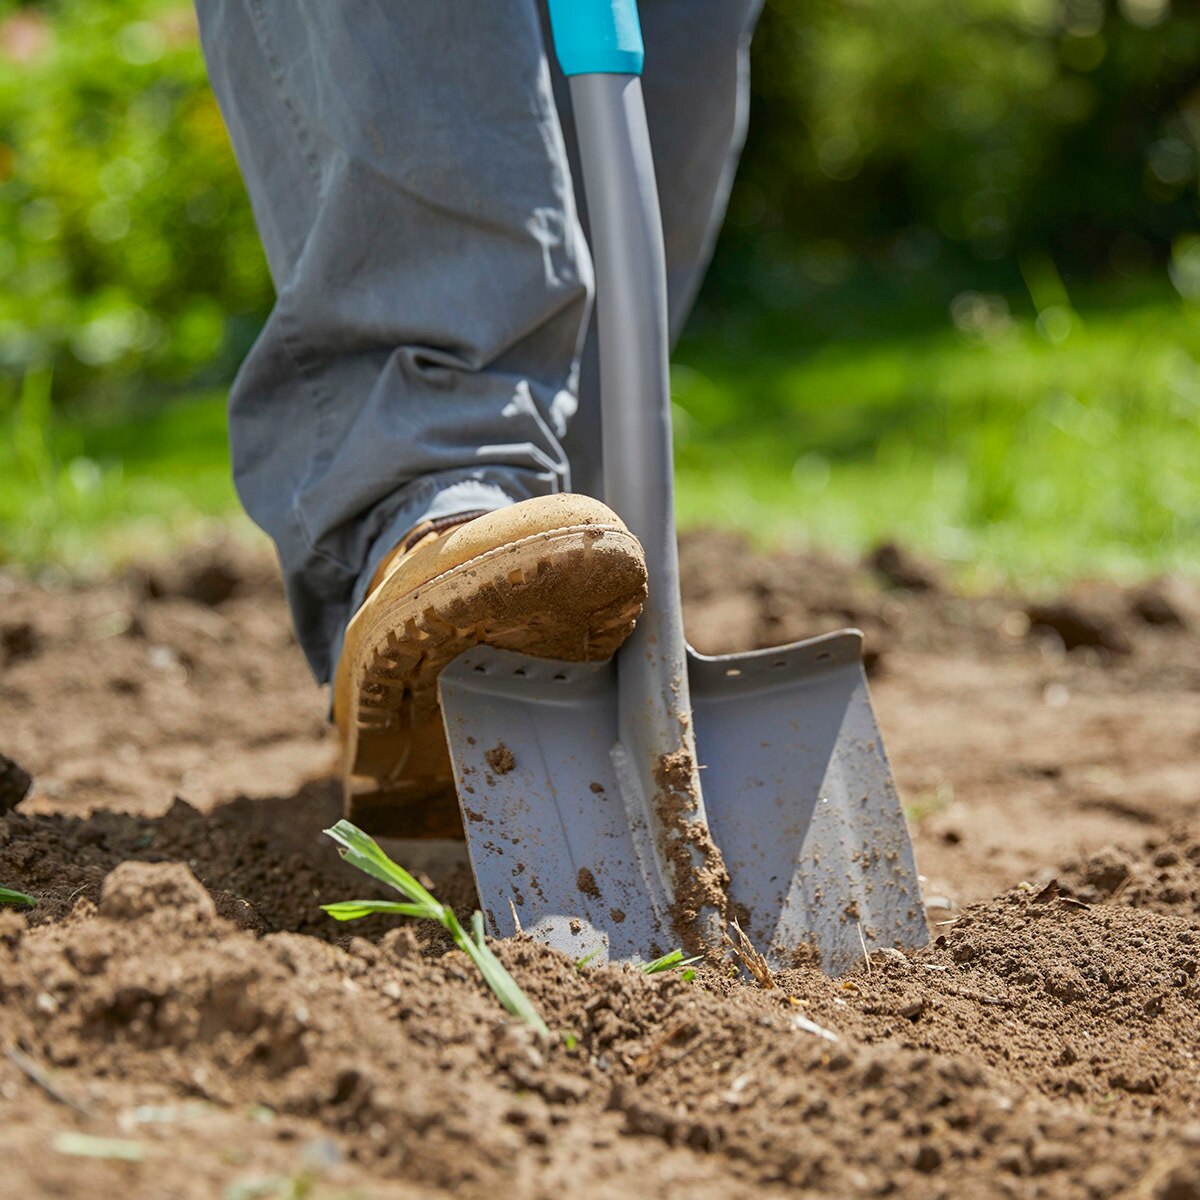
column 597, row 37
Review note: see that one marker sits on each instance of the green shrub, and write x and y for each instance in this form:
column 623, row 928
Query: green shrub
column 980, row 129
column 918, row 134
column 126, row 245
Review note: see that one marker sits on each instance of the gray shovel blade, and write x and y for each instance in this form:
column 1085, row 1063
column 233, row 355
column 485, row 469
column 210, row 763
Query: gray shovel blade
column 801, row 801
column 797, row 788
column 552, row 847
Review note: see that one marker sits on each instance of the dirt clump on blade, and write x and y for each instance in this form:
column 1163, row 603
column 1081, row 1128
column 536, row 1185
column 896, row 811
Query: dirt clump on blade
column 501, row 759
column 697, row 869
column 178, row 998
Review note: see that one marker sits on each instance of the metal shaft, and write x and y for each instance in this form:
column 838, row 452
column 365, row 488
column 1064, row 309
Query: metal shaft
column 656, row 750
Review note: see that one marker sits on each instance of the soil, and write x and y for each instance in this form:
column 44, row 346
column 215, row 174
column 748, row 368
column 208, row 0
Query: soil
column 178, row 994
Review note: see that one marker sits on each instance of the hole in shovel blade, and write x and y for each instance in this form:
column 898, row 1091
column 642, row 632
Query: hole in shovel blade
column 732, row 672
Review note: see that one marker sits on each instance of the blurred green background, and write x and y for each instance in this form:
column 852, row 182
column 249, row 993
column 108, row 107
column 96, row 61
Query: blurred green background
column 955, row 301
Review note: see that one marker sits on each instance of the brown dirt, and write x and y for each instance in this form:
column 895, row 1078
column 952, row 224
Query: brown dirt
column 500, row 758
column 699, row 875
column 179, row 989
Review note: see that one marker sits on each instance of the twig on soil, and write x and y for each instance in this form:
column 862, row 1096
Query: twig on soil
column 803, row 1023
column 36, row 1075
column 655, row 1059
column 362, row 851
column 516, row 919
column 862, row 941
column 982, row 997
column 83, row 1145
column 743, row 949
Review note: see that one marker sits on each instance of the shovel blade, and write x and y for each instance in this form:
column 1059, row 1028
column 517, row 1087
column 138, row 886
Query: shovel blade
column 797, row 787
column 552, row 847
column 801, row 800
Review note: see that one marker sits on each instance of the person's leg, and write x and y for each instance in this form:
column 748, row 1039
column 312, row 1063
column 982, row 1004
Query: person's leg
column 409, row 178
column 696, row 84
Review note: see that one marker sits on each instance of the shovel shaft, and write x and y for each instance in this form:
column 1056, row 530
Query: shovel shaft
column 599, row 46
column 656, row 758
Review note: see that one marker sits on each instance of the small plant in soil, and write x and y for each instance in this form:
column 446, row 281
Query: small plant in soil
column 672, row 962
column 17, row 899
column 668, row 962
column 362, row 851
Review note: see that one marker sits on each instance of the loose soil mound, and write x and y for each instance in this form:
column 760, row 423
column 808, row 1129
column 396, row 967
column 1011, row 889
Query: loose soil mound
column 178, row 989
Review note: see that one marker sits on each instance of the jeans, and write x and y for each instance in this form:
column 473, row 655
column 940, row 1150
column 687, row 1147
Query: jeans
column 412, row 170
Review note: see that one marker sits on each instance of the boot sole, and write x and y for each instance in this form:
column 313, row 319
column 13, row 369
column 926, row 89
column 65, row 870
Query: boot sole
column 572, row 593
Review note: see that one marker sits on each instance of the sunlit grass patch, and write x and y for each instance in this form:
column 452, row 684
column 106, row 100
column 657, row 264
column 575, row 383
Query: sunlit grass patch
column 1024, row 447
column 88, row 493
column 1032, row 449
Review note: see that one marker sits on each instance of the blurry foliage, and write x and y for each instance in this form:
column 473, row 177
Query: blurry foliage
column 925, row 184
column 126, row 244
column 911, row 136
column 970, row 128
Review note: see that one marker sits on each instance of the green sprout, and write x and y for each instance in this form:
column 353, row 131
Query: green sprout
column 8, row 896
column 362, row 851
column 672, row 962
column 580, row 963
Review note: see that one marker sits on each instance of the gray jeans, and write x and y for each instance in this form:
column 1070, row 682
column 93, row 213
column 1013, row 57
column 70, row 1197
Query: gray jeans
column 411, row 167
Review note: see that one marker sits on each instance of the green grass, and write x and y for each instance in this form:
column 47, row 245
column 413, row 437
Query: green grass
column 1018, row 451
column 1011, row 453
column 88, row 493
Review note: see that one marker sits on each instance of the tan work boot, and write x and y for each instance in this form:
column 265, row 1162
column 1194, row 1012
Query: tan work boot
column 555, row 577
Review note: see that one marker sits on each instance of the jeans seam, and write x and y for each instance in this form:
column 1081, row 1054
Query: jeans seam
column 277, row 75
column 305, row 367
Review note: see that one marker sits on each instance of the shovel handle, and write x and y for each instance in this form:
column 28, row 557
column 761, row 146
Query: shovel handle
column 599, row 44
column 597, row 37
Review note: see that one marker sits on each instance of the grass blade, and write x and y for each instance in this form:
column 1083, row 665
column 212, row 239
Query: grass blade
column 351, row 910
column 19, row 899
column 363, row 851
column 496, row 974
column 669, row 962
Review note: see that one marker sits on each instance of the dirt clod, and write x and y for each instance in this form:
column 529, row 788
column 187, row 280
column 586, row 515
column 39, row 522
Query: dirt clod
column 14, row 784
column 1169, row 602
column 210, row 583
column 18, row 640
column 1079, row 624
column 901, row 568
column 500, row 758
column 134, row 889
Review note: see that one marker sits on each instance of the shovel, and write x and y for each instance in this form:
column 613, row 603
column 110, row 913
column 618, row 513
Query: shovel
column 618, row 810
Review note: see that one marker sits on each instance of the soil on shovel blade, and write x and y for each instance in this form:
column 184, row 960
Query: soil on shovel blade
column 179, row 1019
